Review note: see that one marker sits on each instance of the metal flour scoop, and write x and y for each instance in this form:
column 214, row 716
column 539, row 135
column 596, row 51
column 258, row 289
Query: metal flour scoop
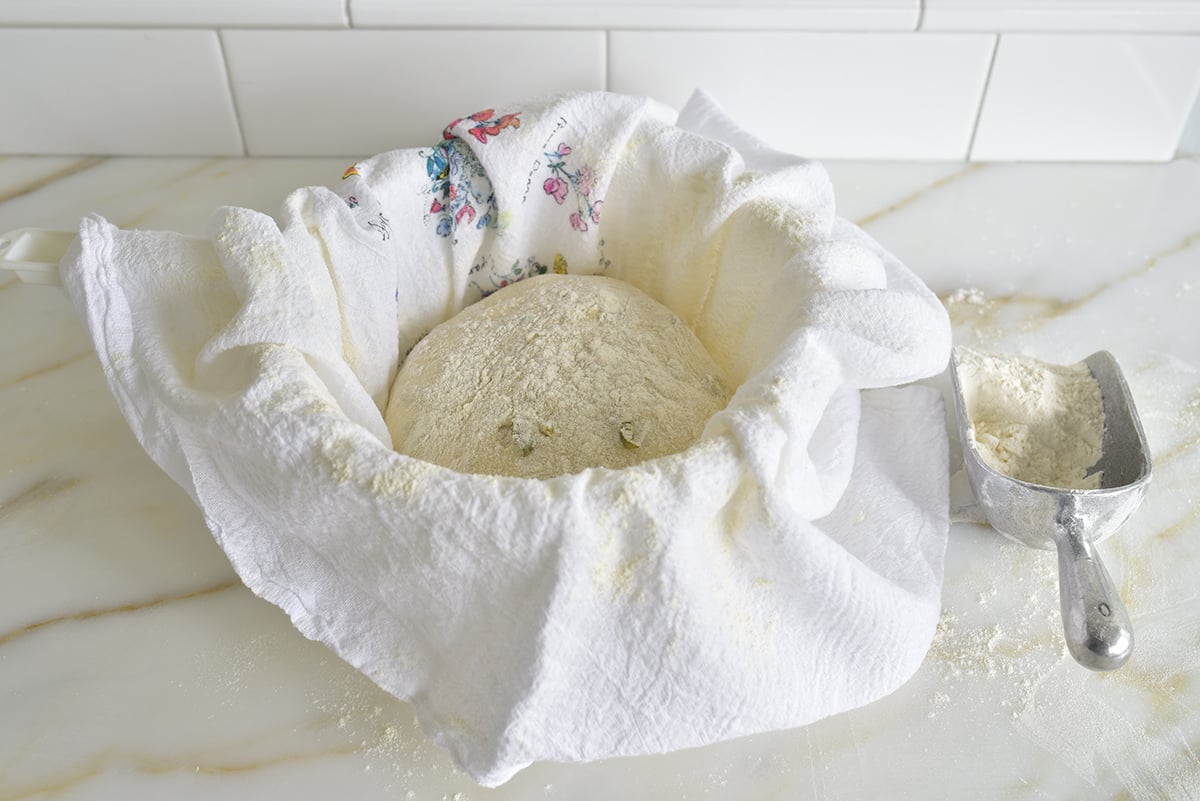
column 1096, row 625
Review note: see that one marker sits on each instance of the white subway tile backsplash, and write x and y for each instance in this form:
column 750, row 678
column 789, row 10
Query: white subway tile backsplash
column 1088, row 97
column 147, row 92
column 361, row 92
column 170, row 13
column 353, row 77
column 1129, row 16
column 826, row 15
column 823, row 95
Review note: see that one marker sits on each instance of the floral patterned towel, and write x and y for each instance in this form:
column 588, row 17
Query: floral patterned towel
column 786, row 567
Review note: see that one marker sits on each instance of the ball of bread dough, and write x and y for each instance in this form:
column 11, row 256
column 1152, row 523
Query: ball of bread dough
column 553, row 375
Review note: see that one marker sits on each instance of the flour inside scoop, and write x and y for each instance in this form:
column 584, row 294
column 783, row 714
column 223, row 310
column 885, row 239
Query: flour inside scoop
column 1037, row 422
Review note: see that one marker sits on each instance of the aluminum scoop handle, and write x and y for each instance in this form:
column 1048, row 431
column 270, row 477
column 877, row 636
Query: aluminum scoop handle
column 34, row 253
column 1095, row 622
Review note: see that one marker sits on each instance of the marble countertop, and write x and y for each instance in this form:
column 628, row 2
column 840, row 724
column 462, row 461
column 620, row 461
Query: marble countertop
column 135, row 665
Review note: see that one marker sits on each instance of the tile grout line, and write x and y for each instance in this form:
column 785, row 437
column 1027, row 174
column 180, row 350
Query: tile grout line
column 1189, row 133
column 987, row 82
column 237, row 112
column 607, row 60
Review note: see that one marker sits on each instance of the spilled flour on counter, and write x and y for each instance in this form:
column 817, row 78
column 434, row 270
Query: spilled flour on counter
column 998, row 658
column 553, row 375
column 1037, row 422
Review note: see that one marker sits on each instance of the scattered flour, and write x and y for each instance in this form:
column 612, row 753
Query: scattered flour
column 968, row 297
column 1037, row 422
column 553, row 375
column 1008, row 637
column 969, row 306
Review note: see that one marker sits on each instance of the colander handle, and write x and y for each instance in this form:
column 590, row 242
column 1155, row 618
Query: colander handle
column 34, row 253
column 1095, row 622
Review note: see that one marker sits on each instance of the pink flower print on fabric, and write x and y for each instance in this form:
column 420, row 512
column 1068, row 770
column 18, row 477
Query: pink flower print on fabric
column 485, row 276
column 585, row 180
column 581, row 182
column 461, row 189
column 556, row 188
column 485, row 124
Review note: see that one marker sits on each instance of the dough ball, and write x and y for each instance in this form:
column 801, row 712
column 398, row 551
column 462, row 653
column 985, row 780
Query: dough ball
column 553, row 375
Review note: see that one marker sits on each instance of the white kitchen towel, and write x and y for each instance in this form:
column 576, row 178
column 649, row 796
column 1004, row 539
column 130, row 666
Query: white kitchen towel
column 786, row 567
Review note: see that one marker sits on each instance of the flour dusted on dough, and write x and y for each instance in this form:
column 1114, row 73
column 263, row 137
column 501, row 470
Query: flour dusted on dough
column 1037, row 422
column 553, row 375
